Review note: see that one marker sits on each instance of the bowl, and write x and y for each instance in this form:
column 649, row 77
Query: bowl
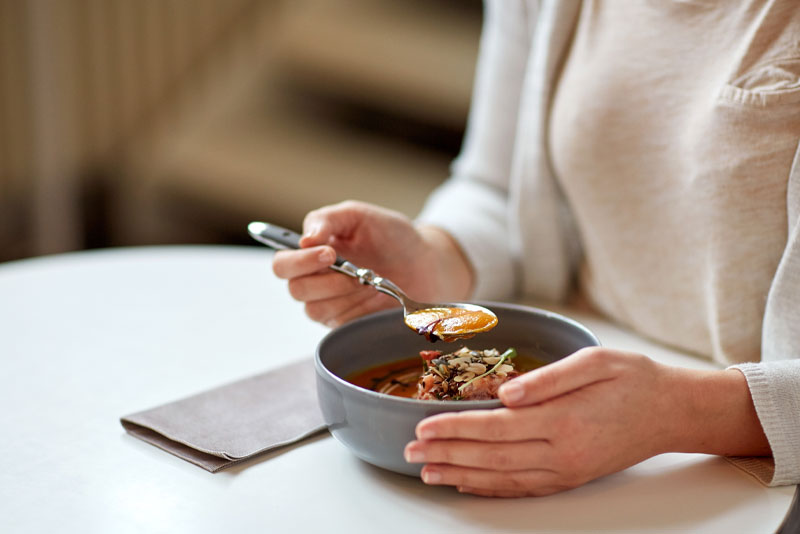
column 375, row 426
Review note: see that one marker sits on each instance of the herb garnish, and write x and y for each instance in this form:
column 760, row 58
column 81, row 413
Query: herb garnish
column 507, row 355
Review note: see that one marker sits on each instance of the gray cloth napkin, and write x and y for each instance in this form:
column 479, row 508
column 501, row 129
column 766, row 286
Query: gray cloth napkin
column 232, row 423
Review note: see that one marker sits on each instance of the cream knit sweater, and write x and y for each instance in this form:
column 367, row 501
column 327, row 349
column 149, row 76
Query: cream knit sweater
column 648, row 149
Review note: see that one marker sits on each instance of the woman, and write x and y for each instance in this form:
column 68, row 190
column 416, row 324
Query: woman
column 645, row 155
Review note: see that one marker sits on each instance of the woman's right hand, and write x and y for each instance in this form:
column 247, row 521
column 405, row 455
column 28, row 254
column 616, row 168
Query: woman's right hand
column 425, row 262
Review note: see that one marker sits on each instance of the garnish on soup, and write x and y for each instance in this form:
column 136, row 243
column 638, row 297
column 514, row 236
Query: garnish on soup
column 461, row 375
column 465, row 374
column 449, row 324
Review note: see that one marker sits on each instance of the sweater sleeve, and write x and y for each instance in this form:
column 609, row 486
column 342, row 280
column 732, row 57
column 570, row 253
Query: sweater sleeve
column 775, row 382
column 473, row 204
column 775, row 388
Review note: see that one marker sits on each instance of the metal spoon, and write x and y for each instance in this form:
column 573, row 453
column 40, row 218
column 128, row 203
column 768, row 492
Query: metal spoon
column 442, row 324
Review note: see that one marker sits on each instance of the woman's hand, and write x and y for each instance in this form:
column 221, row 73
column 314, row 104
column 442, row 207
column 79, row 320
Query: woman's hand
column 425, row 262
column 591, row 414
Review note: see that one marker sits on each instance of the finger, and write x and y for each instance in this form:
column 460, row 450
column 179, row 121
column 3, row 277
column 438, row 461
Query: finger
column 585, row 367
column 512, row 456
column 482, row 492
column 339, row 220
column 531, row 481
column 502, row 424
column 325, row 285
column 538, row 492
column 326, row 310
column 375, row 303
column 295, row 263
column 335, row 311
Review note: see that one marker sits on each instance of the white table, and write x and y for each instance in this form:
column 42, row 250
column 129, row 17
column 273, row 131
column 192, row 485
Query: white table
column 88, row 337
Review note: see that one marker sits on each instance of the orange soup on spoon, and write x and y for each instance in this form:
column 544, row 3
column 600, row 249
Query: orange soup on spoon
column 449, row 324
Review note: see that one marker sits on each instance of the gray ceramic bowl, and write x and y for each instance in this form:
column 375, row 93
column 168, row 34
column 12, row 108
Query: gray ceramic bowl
column 376, row 426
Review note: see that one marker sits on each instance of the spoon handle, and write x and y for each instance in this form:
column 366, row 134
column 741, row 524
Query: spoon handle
column 282, row 239
column 278, row 238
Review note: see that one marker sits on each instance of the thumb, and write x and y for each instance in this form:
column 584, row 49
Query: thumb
column 337, row 221
column 587, row 366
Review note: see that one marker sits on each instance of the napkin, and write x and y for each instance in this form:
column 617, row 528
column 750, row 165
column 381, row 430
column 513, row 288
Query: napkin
column 235, row 422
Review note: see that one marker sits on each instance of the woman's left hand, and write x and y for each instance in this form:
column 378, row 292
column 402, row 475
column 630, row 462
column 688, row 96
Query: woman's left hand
column 593, row 413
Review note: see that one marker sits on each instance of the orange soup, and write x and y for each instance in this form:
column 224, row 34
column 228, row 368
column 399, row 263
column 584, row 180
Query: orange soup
column 449, row 324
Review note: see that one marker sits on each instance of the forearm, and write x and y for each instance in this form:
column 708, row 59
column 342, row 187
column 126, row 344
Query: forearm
column 713, row 413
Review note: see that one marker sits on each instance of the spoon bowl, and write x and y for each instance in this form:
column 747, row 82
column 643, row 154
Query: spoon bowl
column 448, row 321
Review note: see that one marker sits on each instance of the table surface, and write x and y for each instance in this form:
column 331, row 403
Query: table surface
column 90, row 336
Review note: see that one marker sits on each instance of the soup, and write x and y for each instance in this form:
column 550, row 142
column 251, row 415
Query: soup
column 437, row 376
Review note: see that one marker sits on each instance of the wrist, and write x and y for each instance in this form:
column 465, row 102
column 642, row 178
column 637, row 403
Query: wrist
column 452, row 268
column 716, row 415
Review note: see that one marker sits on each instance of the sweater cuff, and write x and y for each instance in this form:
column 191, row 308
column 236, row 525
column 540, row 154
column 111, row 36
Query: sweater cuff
column 762, row 468
column 775, row 390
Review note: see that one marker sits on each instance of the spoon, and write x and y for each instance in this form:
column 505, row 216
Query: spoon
column 447, row 322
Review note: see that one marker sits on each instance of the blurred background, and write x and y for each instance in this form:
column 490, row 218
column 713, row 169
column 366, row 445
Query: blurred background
column 132, row 122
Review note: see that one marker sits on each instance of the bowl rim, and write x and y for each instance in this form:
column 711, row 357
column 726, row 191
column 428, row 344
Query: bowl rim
column 320, row 367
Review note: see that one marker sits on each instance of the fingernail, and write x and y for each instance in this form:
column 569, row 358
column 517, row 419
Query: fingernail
column 431, row 476
column 426, row 433
column 326, row 256
column 512, row 392
column 312, row 230
column 415, row 457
